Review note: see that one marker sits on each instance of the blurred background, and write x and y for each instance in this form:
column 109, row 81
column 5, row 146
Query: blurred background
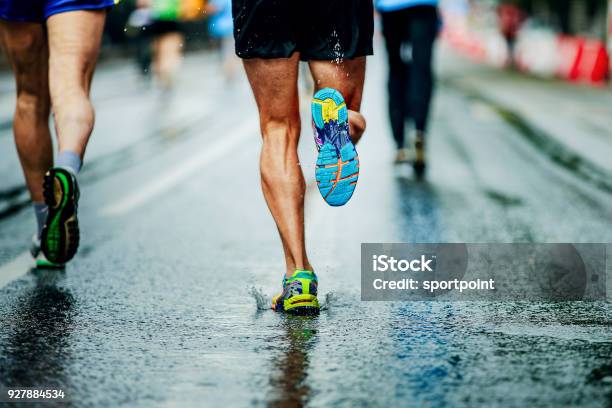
column 550, row 34
column 555, row 38
column 167, row 301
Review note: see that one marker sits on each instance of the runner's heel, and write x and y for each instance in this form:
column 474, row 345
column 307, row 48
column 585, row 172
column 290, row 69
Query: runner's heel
column 302, row 305
column 60, row 235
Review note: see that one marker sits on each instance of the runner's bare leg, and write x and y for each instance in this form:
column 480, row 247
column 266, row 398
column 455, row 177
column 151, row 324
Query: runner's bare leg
column 74, row 43
column 274, row 84
column 168, row 56
column 25, row 45
column 347, row 77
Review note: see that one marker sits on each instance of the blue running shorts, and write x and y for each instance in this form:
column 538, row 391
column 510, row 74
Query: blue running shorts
column 37, row 11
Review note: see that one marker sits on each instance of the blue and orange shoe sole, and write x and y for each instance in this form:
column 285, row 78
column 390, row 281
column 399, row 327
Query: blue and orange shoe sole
column 337, row 168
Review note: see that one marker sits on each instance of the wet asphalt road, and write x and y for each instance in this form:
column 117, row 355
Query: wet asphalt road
column 166, row 303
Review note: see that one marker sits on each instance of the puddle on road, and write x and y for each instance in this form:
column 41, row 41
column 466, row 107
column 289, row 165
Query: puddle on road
column 440, row 353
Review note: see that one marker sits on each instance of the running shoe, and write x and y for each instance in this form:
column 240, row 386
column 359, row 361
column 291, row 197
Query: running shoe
column 337, row 167
column 60, row 234
column 299, row 295
column 40, row 261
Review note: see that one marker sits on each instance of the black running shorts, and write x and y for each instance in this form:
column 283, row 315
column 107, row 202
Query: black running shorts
column 318, row 29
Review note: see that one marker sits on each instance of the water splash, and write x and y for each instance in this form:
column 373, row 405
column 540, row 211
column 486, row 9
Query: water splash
column 326, row 303
column 261, row 299
column 337, row 49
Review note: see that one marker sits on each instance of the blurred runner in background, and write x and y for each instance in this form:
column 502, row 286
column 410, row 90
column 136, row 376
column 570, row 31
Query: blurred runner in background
column 334, row 37
column 52, row 46
column 410, row 28
column 138, row 28
column 510, row 20
column 168, row 42
column 221, row 28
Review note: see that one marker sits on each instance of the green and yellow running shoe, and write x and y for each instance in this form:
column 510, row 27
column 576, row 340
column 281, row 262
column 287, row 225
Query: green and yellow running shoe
column 60, row 234
column 299, row 295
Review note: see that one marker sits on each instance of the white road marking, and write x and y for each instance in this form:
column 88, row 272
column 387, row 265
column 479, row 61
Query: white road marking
column 16, row 268
column 185, row 169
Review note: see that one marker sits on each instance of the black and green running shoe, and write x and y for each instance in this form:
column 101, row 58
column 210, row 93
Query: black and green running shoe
column 60, row 235
column 40, row 261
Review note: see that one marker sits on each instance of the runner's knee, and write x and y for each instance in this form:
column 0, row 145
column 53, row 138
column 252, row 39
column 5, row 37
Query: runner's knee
column 280, row 129
column 279, row 153
column 69, row 81
column 69, row 88
column 27, row 54
column 33, row 105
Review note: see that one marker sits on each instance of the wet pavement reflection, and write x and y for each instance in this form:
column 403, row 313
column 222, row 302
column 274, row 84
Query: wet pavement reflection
column 167, row 304
column 289, row 376
column 36, row 334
